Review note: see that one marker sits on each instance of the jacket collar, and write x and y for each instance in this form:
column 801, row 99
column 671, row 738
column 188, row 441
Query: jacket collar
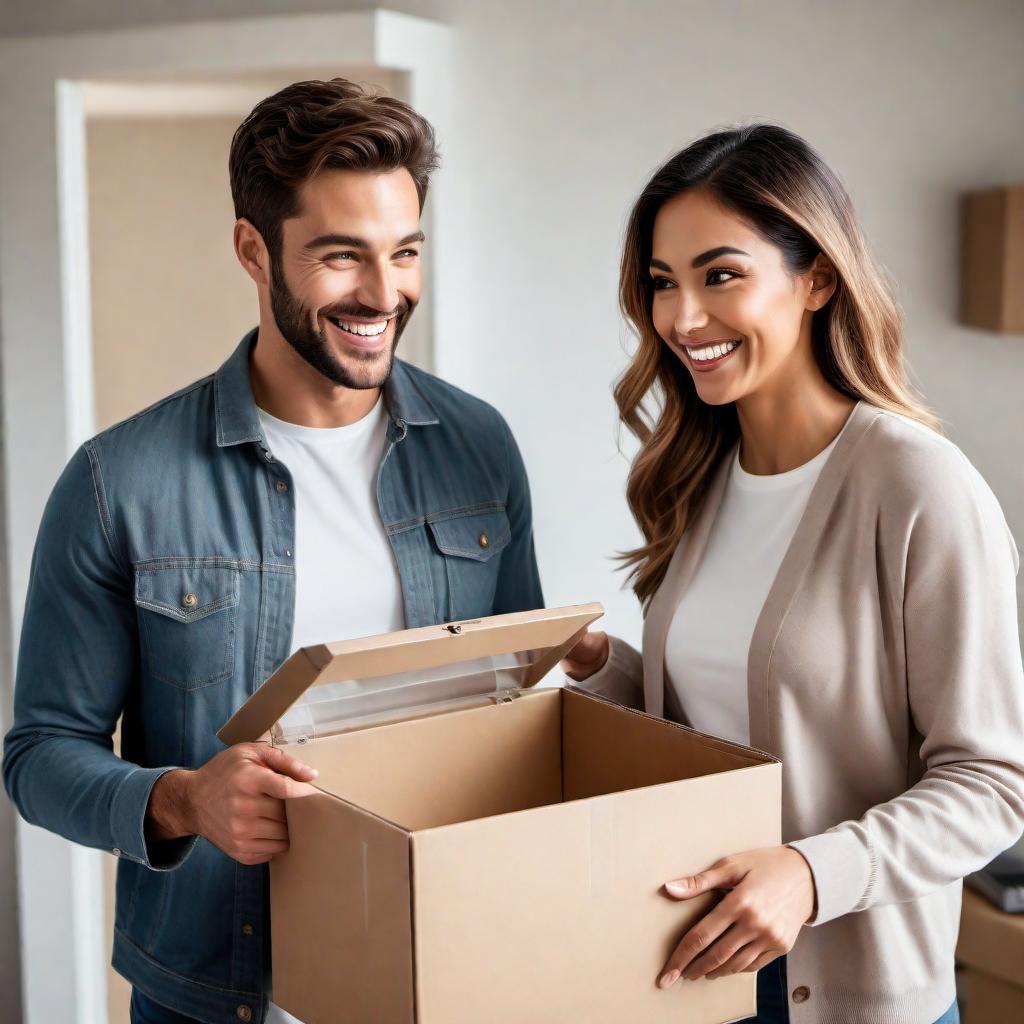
column 235, row 408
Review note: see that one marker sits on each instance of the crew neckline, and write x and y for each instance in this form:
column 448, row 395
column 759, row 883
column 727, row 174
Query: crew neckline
column 791, row 477
column 325, row 435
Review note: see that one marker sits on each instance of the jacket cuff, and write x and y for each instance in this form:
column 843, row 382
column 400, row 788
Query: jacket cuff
column 842, row 872
column 128, row 824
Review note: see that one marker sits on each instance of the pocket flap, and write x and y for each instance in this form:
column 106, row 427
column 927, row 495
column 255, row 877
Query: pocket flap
column 186, row 593
column 477, row 535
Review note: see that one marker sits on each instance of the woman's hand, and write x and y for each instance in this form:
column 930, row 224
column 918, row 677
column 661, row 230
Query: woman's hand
column 587, row 657
column 772, row 897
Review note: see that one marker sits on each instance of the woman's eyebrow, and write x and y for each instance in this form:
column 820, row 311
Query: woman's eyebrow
column 713, row 254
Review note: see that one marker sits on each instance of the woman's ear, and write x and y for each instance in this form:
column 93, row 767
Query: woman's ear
column 823, row 281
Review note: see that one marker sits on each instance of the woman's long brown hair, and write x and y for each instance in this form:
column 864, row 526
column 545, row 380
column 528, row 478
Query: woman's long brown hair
column 776, row 182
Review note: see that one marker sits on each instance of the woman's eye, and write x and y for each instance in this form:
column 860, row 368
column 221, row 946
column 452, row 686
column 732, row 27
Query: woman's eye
column 720, row 276
column 661, row 283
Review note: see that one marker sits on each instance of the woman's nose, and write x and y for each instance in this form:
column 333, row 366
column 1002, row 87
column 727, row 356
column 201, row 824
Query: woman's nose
column 690, row 316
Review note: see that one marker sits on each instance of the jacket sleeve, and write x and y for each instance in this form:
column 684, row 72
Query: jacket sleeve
column 621, row 679
column 518, row 588
column 76, row 669
column 965, row 690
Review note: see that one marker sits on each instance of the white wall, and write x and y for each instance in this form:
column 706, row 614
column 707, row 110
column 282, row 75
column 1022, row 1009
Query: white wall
column 563, row 115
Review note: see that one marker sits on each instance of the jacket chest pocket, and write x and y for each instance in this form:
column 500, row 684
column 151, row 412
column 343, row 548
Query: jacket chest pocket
column 187, row 618
column 469, row 545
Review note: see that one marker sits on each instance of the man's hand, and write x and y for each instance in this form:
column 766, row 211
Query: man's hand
column 587, row 657
column 236, row 801
column 772, row 898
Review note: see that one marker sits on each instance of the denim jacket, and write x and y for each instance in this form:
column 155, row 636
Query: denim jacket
column 163, row 588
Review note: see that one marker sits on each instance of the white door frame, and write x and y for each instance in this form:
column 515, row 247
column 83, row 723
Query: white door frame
column 47, row 389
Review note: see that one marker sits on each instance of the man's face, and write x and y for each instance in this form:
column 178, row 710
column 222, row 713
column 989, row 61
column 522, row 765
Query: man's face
column 348, row 274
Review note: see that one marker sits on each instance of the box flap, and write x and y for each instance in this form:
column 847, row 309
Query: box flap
column 332, row 687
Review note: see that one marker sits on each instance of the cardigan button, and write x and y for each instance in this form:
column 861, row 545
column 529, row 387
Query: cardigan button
column 801, row 994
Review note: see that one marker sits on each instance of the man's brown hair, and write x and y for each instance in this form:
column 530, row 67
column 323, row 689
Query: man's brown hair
column 313, row 126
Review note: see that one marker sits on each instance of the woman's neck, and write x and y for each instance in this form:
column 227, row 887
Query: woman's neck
column 785, row 426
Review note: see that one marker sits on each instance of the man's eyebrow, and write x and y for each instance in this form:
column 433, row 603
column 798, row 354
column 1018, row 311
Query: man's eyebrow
column 713, row 254
column 354, row 242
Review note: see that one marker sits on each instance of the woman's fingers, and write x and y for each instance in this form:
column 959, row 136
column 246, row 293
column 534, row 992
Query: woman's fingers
column 723, row 874
column 734, row 942
column 696, row 941
column 747, row 958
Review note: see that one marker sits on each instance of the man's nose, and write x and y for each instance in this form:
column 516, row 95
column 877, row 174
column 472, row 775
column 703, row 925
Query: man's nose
column 377, row 289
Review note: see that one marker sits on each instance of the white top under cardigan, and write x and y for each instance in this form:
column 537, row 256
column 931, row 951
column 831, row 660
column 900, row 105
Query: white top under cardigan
column 885, row 671
column 709, row 640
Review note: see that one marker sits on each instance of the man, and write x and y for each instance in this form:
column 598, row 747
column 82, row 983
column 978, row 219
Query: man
column 313, row 489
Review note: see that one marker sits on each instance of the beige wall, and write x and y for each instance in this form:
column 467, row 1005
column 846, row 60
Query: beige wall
column 169, row 298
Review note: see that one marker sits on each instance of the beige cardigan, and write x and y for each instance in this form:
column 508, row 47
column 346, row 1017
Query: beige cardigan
column 885, row 671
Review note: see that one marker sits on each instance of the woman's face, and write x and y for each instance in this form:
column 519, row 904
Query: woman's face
column 725, row 303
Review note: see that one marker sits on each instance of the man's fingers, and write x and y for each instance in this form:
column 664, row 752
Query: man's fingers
column 696, row 941
column 259, row 851
column 723, row 874
column 283, row 788
column 284, row 764
column 268, row 807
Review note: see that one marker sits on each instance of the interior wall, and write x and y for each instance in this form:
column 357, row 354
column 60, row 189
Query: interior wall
column 564, row 113
column 170, row 301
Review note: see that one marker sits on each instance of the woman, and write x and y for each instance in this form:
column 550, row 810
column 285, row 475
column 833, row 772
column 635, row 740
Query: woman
column 823, row 576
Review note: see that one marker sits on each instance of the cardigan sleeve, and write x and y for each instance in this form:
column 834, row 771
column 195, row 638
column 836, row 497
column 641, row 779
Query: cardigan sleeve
column 621, row 679
column 965, row 689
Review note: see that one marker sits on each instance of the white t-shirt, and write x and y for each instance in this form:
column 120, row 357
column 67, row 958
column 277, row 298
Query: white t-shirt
column 709, row 638
column 346, row 579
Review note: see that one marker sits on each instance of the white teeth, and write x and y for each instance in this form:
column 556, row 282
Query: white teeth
column 364, row 330
column 712, row 351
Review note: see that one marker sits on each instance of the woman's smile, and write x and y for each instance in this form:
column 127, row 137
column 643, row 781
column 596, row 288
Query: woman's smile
column 707, row 355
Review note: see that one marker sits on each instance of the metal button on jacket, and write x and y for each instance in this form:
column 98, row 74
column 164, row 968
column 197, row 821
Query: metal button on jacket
column 243, row 1013
column 484, row 540
column 190, row 600
column 281, row 486
column 801, row 994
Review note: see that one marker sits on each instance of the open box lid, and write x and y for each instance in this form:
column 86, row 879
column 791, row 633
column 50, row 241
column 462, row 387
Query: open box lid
column 333, row 688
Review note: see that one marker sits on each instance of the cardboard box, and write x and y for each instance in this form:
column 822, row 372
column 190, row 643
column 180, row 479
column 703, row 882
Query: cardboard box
column 991, row 949
column 993, row 259
column 485, row 852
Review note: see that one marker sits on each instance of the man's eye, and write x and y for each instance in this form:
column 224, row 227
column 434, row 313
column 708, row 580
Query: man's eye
column 405, row 254
column 335, row 256
column 720, row 276
column 661, row 283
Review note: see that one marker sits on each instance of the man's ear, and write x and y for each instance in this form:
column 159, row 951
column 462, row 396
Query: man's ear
column 823, row 282
column 252, row 251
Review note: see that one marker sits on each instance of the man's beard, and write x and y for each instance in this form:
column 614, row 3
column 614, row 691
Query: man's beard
column 308, row 336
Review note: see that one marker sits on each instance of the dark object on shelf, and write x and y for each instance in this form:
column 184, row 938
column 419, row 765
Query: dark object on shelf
column 993, row 259
column 1002, row 882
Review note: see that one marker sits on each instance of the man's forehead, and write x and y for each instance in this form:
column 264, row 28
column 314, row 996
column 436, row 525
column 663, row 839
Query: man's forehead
column 377, row 206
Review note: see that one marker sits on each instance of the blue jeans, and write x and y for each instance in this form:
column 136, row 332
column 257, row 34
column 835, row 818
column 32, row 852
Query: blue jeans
column 145, row 1011
column 773, row 998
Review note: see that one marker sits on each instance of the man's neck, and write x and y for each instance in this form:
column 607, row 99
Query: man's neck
column 288, row 388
